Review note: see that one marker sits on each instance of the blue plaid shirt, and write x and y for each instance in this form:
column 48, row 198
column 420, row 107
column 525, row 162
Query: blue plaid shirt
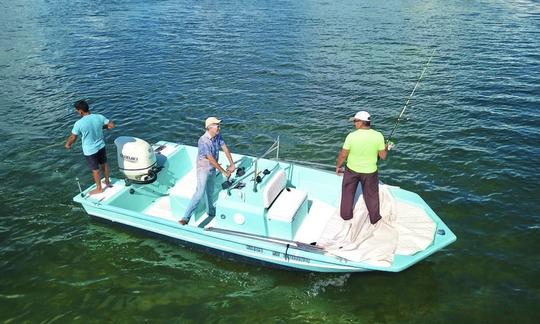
column 209, row 146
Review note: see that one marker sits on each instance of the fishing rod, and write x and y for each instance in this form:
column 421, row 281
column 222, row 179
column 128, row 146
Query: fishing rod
column 296, row 244
column 410, row 97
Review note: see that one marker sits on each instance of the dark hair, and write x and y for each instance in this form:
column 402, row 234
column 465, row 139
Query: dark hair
column 82, row 105
column 366, row 123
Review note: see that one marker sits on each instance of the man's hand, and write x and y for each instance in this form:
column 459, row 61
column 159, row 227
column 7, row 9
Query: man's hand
column 226, row 173
column 343, row 154
column 231, row 168
column 71, row 139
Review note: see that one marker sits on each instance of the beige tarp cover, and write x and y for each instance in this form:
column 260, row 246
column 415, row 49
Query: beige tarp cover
column 404, row 229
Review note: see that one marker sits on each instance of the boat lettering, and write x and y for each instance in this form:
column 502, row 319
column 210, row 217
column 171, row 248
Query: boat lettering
column 129, row 158
column 254, row 248
column 274, row 253
column 340, row 259
column 297, row 258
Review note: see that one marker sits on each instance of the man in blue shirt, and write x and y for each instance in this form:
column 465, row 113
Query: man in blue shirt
column 208, row 155
column 90, row 128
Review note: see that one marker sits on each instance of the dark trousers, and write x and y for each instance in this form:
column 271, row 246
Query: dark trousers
column 370, row 191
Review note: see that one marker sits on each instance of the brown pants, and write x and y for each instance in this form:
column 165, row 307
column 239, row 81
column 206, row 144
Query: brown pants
column 370, row 190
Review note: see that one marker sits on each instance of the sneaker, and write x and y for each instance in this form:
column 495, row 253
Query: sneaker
column 183, row 222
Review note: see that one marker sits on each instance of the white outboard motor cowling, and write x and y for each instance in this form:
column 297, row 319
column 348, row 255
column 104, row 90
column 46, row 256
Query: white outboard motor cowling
column 136, row 159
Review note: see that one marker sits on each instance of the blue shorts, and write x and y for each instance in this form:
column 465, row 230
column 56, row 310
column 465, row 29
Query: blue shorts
column 96, row 159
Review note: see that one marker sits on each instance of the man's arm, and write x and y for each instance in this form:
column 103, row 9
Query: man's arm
column 71, row 139
column 231, row 167
column 383, row 154
column 341, row 159
column 217, row 165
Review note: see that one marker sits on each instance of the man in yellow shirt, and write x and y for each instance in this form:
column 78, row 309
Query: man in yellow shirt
column 361, row 150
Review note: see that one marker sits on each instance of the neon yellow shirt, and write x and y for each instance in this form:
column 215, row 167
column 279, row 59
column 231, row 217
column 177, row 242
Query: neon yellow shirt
column 364, row 146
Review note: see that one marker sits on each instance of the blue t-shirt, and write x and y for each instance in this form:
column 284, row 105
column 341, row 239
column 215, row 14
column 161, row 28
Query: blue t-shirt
column 209, row 146
column 90, row 129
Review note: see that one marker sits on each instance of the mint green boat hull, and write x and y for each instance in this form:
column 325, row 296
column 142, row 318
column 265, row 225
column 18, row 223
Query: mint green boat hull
column 242, row 225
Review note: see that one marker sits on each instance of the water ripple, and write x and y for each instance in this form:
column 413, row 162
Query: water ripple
column 293, row 69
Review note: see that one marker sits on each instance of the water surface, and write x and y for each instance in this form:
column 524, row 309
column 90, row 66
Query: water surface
column 297, row 69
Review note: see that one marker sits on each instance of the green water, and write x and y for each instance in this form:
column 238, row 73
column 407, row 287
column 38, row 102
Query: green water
column 296, row 69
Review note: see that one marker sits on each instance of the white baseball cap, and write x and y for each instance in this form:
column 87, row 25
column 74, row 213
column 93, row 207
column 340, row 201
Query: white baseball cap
column 361, row 115
column 210, row 121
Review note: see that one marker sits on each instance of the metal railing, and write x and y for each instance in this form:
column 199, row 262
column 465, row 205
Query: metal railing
column 273, row 147
column 309, row 163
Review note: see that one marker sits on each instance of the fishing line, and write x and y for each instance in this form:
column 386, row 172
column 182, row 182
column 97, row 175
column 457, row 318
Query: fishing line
column 409, row 98
column 59, row 144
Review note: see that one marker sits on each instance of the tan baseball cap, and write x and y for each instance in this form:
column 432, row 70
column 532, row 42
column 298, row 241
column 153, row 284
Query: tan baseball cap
column 210, row 121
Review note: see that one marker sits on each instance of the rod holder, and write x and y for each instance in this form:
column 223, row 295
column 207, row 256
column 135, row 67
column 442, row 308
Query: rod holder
column 79, row 185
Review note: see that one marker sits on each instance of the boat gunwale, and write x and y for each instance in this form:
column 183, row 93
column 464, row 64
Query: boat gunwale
column 327, row 258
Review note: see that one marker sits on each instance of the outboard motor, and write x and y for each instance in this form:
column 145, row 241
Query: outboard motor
column 136, row 159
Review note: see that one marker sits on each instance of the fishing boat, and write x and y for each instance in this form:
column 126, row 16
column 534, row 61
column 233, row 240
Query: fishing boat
column 278, row 212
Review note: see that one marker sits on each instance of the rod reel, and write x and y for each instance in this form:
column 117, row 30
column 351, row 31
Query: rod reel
column 259, row 179
column 228, row 183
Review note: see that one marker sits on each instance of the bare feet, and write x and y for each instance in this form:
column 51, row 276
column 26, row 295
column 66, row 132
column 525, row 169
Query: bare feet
column 182, row 221
column 95, row 191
